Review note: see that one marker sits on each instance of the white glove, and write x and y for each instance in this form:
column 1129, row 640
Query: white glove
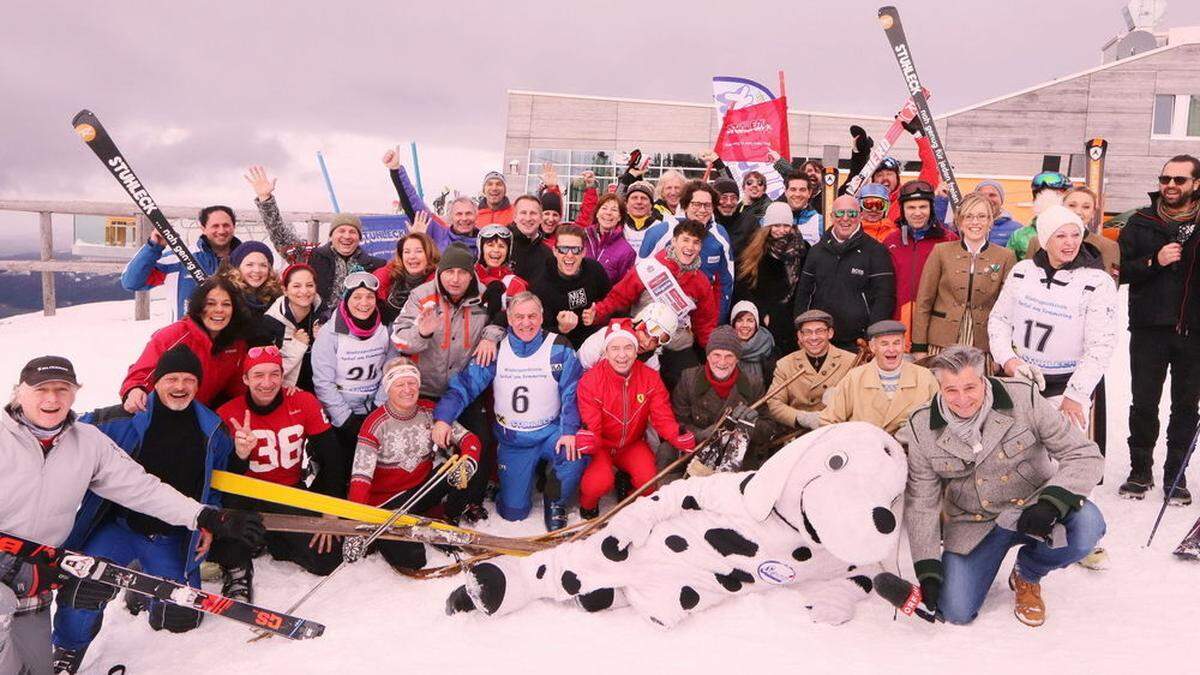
column 1031, row 374
column 808, row 419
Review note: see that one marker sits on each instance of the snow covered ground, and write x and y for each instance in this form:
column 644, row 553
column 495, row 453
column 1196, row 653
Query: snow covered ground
column 1139, row 614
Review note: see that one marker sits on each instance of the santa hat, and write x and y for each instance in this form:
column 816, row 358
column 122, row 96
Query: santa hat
column 619, row 328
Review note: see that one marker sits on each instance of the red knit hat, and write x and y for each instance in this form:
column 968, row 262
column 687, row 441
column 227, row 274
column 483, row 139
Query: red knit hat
column 259, row 355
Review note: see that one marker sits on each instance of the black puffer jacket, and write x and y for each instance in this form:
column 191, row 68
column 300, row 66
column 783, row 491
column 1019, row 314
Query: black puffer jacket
column 1159, row 297
column 852, row 280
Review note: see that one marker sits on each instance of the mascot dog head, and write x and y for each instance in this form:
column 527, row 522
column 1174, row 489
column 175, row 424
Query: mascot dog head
column 842, row 485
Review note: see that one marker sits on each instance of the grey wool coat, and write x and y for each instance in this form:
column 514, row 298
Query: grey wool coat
column 1029, row 452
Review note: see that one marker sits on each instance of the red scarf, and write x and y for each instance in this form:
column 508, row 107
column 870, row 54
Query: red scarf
column 722, row 387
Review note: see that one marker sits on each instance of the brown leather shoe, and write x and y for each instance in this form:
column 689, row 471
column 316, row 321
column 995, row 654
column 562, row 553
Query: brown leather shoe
column 1029, row 609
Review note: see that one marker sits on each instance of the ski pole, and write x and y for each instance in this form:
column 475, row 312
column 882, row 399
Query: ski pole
column 438, row 476
column 1174, row 485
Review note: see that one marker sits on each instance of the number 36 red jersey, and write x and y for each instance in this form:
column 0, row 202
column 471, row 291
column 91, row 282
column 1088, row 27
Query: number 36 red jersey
column 281, row 434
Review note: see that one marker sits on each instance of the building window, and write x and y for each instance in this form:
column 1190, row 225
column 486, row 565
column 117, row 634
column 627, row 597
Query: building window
column 1176, row 116
column 608, row 167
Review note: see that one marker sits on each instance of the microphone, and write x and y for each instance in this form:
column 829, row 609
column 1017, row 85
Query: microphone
column 903, row 596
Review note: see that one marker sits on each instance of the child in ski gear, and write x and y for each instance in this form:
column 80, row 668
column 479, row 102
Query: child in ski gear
column 534, row 378
column 395, row 457
column 154, row 264
column 824, row 504
column 992, row 465
column 617, row 399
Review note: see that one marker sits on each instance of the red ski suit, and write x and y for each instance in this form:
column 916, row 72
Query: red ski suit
column 614, row 411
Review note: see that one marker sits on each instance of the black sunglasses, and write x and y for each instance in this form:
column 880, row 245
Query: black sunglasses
column 1178, row 180
column 569, row 250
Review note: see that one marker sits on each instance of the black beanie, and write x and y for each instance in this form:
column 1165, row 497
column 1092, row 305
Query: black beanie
column 551, row 201
column 725, row 186
column 456, row 256
column 178, row 359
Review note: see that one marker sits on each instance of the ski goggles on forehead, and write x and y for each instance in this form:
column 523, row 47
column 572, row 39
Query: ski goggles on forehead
column 359, row 280
column 874, row 203
column 1051, row 179
column 269, row 350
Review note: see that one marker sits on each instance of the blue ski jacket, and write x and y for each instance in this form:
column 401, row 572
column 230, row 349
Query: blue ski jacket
column 154, row 265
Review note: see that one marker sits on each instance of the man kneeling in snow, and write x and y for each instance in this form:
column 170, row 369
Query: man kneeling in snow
column 1013, row 471
column 815, row 515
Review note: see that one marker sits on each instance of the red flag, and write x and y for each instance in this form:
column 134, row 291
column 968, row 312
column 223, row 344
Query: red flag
column 748, row 133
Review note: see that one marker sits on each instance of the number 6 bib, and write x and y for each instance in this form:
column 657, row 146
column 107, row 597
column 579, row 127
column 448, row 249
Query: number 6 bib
column 526, row 393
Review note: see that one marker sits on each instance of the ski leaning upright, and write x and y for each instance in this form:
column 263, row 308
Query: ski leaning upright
column 88, row 126
column 889, row 18
column 1097, row 150
column 66, row 564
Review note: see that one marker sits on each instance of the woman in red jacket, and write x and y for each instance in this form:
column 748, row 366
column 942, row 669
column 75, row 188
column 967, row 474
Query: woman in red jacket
column 214, row 329
column 616, row 399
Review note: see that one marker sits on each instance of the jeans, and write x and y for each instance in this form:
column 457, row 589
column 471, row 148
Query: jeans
column 968, row 577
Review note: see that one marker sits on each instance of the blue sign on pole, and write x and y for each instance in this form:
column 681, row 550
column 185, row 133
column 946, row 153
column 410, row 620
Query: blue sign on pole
column 380, row 234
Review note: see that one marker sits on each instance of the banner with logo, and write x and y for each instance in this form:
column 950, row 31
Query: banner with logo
column 380, row 234
column 748, row 134
column 735, row 93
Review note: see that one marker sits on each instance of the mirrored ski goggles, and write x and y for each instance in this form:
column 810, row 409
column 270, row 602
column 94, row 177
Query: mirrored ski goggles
column 655, row 331
column 874, row 204
column 257, row 352
column 1178, row 180
column 1052, row 180
column 845, row 213
column 357, row 280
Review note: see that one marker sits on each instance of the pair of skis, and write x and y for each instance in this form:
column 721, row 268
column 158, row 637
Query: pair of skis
column 67, row 565
column 883, row 146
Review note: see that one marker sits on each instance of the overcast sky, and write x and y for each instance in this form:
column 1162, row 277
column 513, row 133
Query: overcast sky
column 193, row 92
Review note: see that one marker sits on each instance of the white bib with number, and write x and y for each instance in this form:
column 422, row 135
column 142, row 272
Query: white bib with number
column 525, row 391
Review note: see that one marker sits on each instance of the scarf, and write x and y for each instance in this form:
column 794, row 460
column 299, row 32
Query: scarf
column 722, row 387
column 970, row 430
column 41, row 433
column 758, row 347
column 1185, row 216
column 695, row 264
column 788, row 250
column 359, row 328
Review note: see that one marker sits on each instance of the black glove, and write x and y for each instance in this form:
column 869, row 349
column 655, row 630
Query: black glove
column 244, row 525
column 913, row 127
column 635, row 159
column 86, row 594
column 1038, row 520
column 931, row 592
column 743, row 415
column 861, row 141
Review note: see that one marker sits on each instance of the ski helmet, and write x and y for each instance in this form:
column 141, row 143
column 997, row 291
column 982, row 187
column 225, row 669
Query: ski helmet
column 916, row 189
column 659, row 321
column 873, row 190
column 887, row 164
column 1049, row 180
column 493, row 231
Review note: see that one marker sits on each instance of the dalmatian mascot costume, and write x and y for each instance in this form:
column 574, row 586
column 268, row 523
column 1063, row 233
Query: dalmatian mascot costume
column 818, row 515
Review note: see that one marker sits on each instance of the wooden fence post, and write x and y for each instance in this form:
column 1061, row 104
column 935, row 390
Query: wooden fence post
column 141, row 299
column 314, row 231
column 46, row 224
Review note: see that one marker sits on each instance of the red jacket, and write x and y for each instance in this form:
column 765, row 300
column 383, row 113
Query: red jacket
column 616, row 409
column 908, row 258
column 222, row 378
column 489, row 216
column 695, row 283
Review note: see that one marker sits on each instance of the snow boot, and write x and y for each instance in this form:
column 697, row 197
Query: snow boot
column 588, row 514
column 624, row 485
column 66, row 660
column 1029, row 608
column 1181, row 497
column 1136, row 486
column 556, row 514
column 238, row 582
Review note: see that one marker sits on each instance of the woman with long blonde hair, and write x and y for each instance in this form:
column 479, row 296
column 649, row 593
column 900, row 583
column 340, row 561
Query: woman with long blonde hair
column 769, row 268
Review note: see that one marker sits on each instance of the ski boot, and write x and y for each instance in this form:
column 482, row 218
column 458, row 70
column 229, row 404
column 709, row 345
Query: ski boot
column 624, row 485
column 1136, row 486
column 1181, row 497
column 238, row 582
column 556, row 514
column 66, row 660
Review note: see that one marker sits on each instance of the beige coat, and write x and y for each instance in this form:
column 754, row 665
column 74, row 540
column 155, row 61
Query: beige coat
column 942, row 295
column 805, row 392
column 1029, row 451
column 860, row 397
column 1110, row 251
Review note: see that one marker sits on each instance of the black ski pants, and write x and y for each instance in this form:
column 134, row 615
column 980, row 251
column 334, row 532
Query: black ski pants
column 1152, row 352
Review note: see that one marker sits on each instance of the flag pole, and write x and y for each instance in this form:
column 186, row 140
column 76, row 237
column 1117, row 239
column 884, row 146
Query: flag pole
column 328, row 183
column 417, row 171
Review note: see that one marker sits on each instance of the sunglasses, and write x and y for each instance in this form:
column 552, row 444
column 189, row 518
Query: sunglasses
column 569, row 250
column 269, row 350
column 874, row 204
column 753, row 182
column 845, row 213
column 1178, row 180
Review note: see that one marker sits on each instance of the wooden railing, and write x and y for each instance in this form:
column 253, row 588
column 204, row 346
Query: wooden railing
column 48, row 266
